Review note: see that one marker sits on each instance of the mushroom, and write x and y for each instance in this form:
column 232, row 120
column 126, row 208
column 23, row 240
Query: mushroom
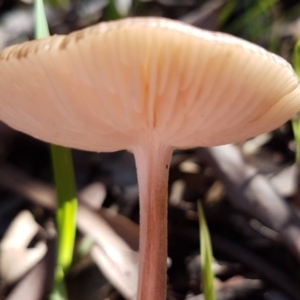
column 149, row 85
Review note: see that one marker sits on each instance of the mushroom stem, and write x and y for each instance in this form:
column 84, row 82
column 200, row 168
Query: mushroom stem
column 152, row 161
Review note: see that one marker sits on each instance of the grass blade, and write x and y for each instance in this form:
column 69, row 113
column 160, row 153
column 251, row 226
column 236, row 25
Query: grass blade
column 65, row 187
column 67, row 203
column 296, row 119
column 58, row 3
column 41, row 29
column 206, row 256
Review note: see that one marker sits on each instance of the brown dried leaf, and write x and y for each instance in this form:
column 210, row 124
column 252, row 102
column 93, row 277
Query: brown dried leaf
column 115, row 258
column 16, row 259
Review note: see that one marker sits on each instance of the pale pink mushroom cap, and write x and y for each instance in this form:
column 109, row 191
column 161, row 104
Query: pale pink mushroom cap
column 110, row 86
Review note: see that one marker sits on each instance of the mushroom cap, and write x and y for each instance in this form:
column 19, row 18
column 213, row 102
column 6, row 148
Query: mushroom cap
column 113, row 85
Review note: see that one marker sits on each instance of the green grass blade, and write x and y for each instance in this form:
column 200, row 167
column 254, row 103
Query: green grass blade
column 58, row 3
column 65, row 187
column 111, row 12
column 296, row 120
column 67, row 203
column 255, row 21
column 296, row 131
column 41, row 24
column 206, row 256
column 296, row 58
column 227, row 12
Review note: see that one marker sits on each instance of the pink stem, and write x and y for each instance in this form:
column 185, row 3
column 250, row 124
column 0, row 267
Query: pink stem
column 153, row 161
